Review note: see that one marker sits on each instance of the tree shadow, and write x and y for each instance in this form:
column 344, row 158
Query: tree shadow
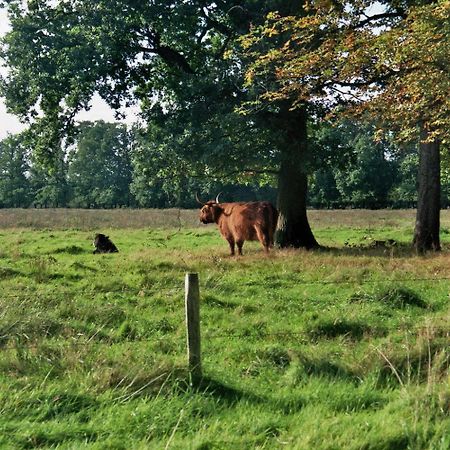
column 343, row 328
column 214, row 301
column 230, row 396
column 326, row 369
column 398, row 297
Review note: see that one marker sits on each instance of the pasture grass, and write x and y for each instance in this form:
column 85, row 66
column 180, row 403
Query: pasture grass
column 342, row 347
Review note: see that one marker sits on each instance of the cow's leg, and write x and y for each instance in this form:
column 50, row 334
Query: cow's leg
column 239, row 246
column 270, row 234
column 263, row 238
column 231, row 242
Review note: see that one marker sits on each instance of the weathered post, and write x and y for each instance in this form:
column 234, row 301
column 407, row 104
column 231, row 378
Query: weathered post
column 192, row 301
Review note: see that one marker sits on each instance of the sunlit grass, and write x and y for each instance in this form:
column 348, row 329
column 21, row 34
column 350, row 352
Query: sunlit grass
column 343, row 347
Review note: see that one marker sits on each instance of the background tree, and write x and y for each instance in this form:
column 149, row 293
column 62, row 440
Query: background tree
column 369, row 180
column 100, row 169
column 356, row 169
column 14, row 167
column 403, row 193
column 164, row 177
column 49, row 187
column 345, row 160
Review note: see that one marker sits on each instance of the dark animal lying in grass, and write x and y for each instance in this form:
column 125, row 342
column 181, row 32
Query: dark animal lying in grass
column 239, row 222
column 103, row 244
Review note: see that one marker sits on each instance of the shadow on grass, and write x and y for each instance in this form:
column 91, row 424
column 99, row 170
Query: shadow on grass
column 71, row 250
column 211, row 300
column 8, row 272
column 230, row 396
column 393, row 443
column 225, row 393
column 40, row 437
column 326, row 369
column 397, row 297
column 343, row 328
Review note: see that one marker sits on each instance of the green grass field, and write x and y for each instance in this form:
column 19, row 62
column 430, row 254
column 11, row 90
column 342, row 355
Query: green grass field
column 346, row 347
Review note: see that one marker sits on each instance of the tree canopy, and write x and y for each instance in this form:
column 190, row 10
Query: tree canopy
column 388, row 58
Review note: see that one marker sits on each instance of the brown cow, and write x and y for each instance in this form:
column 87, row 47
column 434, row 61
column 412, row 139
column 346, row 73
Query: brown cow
column 239, row 222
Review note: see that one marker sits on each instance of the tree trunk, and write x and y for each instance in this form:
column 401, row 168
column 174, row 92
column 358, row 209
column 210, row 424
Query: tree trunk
column 293, row 228
column 426, row 233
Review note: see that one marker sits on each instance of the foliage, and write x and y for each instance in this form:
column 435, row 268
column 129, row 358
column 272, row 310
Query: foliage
column 391, row 62
column 14, row 184
column 100, row 166
column 368, row 183
column 167, row 56
column 170, row 168
column 49, row 187
column 403, row 193
column 110, row 166
column 175, row 59
column 356, row 170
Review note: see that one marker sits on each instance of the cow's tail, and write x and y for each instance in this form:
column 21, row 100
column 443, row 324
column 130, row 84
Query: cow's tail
column 271, row 216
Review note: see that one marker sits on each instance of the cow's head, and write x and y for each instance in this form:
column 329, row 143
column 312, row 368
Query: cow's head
column 210, row 211
column 99, row 240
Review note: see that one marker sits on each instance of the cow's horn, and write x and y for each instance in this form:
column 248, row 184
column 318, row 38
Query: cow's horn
column 217, row 198
column 196, row 197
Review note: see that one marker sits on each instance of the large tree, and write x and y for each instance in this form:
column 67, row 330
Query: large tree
column 178, row 60
column 388, row 58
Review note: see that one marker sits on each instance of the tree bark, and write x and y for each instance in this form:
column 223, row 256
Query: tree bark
column 293, row 228
column 426, row 233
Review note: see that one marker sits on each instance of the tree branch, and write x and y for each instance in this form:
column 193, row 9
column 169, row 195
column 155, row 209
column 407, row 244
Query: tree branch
column 248, row 171
column 370, row 19
column 170, row 56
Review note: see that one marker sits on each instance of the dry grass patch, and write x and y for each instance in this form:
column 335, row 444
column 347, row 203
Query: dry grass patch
column 90, row 219
column 87, row 219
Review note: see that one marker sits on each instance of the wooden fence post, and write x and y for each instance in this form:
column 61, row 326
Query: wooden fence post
column 192, row 302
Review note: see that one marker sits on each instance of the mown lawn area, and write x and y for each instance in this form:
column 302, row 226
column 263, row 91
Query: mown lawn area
column 346, row 347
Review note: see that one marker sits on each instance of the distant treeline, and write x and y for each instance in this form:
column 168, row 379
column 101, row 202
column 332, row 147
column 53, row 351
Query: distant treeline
column 111, row 166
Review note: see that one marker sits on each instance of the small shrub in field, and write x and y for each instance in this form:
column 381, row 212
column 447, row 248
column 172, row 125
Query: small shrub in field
column 40, row 270
column 163, row 326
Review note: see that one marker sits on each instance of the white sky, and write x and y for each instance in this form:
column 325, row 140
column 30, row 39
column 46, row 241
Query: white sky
column 10, row 124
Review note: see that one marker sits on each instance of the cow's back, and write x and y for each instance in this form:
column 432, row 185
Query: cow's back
column 243, row 219
column 239, row 219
